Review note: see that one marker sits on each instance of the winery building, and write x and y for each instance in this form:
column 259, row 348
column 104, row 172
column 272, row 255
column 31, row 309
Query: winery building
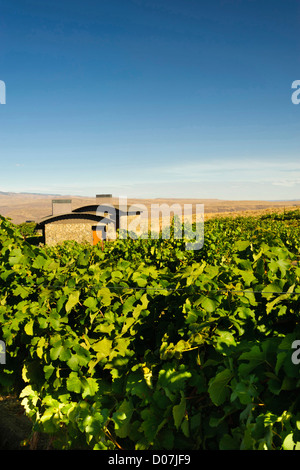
column 87, row 224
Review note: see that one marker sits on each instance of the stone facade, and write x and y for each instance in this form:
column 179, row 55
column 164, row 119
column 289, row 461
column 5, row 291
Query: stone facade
column 58, row 232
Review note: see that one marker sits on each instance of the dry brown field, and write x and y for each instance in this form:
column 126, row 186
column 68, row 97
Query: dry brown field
column 22, row 207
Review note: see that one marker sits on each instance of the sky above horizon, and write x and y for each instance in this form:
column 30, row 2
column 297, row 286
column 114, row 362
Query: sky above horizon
column 150, row 98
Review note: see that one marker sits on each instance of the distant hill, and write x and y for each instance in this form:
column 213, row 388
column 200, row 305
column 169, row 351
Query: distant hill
column 21, row 207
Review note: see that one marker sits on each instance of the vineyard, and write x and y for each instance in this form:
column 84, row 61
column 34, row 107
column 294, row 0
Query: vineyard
column 141, row 344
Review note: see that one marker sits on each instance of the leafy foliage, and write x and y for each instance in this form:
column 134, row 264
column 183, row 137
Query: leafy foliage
column 141, row 344
column 27, row 229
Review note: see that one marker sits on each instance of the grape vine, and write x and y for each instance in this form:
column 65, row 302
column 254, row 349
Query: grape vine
column 141, row 344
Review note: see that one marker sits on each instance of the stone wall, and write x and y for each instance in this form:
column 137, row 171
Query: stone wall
column 58, row 232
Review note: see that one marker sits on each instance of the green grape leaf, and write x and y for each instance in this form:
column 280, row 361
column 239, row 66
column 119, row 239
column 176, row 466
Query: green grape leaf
column 72, row 301
column 218, row 387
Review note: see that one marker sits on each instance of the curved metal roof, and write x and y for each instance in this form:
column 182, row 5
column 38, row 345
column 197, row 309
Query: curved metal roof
column 94, row 208
column 71, row 216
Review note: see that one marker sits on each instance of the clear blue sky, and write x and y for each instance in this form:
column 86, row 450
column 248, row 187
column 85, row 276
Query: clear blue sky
column 149, row 98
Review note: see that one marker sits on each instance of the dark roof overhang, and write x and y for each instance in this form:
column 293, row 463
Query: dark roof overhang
column 71, row 216
column 94, row 208
column 107, row 208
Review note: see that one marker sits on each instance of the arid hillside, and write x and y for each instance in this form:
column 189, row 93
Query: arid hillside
column 23, row 207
